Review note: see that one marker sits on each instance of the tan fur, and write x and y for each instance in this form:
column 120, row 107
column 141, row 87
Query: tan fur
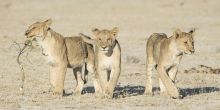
column 62, row 53
column 107, row 59
column 165, row 54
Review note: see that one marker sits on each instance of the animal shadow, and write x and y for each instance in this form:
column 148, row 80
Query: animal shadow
column 126, row 91
column 194, row 91
column 123, row 91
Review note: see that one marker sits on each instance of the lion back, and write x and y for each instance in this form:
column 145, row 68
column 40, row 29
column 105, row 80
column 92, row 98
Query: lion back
column 76, row 51
column 153, row 45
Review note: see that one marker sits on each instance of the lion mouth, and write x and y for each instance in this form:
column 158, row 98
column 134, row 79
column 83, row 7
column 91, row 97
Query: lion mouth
column 189, row 53
column 105, row 50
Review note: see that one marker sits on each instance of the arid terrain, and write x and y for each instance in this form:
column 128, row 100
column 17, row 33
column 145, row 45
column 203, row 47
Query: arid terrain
column 198, row 77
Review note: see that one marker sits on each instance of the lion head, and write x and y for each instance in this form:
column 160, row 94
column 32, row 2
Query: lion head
column 185, row 41
column 38, row 29
column 105, row 39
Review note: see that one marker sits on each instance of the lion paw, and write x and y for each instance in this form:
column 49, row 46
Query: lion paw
column 77, row 93
column 60, row 93
column 148, row 92
column 177, row 97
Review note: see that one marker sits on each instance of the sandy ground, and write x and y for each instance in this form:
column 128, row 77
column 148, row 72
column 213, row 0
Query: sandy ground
column 136, row 19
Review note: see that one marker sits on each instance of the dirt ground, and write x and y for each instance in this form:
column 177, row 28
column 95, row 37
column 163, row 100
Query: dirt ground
column 136, row 20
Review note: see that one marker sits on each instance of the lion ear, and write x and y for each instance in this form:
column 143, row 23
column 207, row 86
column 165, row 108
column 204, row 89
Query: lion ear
column 192, row 32
column 95, row 31
column 48, row 23
column 114, row 31
column 177, row 33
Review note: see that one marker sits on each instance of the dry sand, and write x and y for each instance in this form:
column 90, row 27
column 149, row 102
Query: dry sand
column 136, row 19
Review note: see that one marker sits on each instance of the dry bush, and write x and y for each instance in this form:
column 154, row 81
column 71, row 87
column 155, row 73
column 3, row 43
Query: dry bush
column 203, row 69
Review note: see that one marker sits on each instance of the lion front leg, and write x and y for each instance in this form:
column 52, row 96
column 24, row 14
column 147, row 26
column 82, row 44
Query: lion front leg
column 162, row 87
column 102, row 76
column 96, row 83
column 169, row 85
column 90, row 66
column 57, row 77
column 172, row 75
column 114, row 75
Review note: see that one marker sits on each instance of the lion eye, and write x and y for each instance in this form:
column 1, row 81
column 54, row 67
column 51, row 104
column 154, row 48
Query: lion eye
column 108, row 39
column 99, row 39
column 33, row 28
column 185, row 42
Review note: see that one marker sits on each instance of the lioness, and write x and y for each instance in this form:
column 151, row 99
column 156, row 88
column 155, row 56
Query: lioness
column 62, row 53
column 107, row 59
column 165, row 54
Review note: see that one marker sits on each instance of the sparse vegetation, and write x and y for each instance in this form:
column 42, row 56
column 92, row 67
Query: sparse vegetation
column 132, row 59
column 203, row 69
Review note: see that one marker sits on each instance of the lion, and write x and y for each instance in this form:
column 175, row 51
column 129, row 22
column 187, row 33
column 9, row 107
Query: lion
column 165, row 55
column 107, row 59
column 62, row 53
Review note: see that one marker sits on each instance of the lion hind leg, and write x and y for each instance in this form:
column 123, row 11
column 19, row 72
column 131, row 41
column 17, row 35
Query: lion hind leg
column 149, row 85
column 79, row 80
column 150, row 64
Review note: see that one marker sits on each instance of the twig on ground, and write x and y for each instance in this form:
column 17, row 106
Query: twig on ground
column 27, row 43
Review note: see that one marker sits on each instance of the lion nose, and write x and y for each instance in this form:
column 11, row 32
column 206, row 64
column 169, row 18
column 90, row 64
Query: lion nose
column 103, row 47
column 26, row 33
